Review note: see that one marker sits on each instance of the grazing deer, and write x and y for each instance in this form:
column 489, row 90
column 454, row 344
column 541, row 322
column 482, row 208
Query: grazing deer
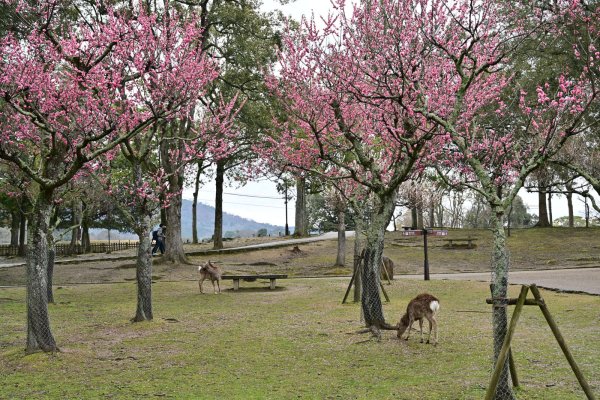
column 422, row 306
column 212, row 272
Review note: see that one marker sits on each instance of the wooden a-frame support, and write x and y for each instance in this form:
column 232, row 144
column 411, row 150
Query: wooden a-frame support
column 380, row 284
column 505, row 351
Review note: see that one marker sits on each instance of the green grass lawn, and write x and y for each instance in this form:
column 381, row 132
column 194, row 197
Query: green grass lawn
column 298, row 341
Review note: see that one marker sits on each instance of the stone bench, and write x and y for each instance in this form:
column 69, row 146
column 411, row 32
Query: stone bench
column 251, row 278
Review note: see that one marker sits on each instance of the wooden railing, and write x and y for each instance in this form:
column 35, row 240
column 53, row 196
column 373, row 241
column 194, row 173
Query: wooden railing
column 67, row 249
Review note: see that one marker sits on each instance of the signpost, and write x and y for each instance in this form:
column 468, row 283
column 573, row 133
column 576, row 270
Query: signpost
column 425, row 233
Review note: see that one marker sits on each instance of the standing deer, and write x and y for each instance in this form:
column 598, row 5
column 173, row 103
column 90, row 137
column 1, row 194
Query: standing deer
column 212, row 272
column 422, row 306
column 387, row 268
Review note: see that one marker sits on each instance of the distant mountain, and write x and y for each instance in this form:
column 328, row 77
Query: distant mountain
column 232, row 224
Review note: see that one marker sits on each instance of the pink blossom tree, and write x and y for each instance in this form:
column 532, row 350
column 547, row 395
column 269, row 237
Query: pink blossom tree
column 345, row 120
column 404, row 84
column 73, row 92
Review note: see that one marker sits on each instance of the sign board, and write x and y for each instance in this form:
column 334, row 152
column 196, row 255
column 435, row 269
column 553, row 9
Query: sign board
column 430, row 232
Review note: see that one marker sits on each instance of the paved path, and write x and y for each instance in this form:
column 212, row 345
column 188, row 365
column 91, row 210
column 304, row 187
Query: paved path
column 7, row 263
column 586, row 280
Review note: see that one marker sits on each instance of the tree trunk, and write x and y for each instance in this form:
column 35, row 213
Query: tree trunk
column 15, row 222
column 219, row 180
column 173, row 244
column 300, row 229
column 420, row 222
column 77, row 213
column 431, row 216
column 550, row 219
column 169, row 151
column 341, row 247
column 39, row 334
column 86, row 244
column 143, row 273
column 51, row 254
column 542, row 209
column 414, row 217
column 500, row 269
column 570, row 205
column 195, row 205
column 51, row 259
column 440, row 216
column 22, row 234
column 371, row 301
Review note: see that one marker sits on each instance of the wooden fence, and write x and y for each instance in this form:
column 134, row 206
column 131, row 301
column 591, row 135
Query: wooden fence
column 67, row 249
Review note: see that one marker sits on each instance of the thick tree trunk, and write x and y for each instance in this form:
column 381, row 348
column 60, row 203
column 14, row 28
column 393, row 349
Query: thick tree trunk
column 371, row 300
column 341, row 247
column 542, row 209
column 500, row 269
column 86, row 244
column 143, row 273
column 172, row 165
column 15, row 222
column 195, row 205
column 219, row 181
column 77, row 214
column 39, row 334
column 173, row 244
column 300, row 229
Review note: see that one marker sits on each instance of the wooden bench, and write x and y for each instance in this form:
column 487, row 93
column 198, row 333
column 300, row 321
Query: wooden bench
column 468, row 240
column 251, row 278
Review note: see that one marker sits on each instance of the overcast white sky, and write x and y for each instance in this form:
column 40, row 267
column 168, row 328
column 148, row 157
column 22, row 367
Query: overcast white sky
column 260, row 201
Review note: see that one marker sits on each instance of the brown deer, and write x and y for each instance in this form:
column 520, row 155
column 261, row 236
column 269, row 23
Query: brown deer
column 387, row 268
column 212, row 272
column 423, row 306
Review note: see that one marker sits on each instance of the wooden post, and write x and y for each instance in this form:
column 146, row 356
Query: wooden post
column 506, row 345
column 513, row 368
column 387, row 276
column 384, row 292
column 349, row 286
column 562, row 343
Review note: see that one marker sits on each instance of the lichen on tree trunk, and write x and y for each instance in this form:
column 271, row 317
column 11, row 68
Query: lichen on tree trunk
column 39, row 334
column 375, row 235
column 500, row 268
column 143, row 274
